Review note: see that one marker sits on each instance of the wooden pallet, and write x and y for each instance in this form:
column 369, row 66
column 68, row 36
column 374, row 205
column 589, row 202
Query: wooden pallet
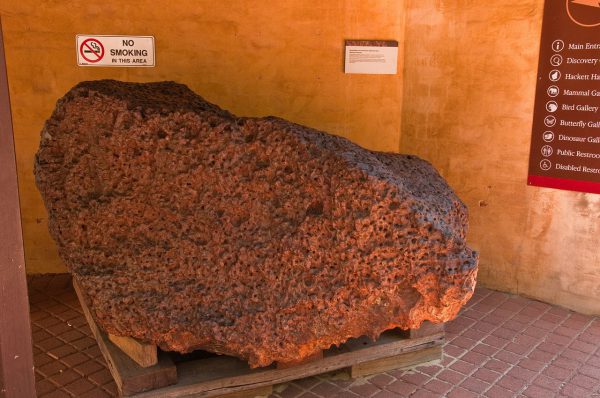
column 207, row 375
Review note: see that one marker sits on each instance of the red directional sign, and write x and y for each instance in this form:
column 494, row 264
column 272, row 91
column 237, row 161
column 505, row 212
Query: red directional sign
column 91, row 50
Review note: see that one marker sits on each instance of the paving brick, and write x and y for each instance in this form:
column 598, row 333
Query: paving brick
column 111, row 388
column 453, row 351
column 484, row 327
column 307, row 383
column 474, row 358
column 545, row 325
column 535, row 331
column 594, row 361
column 101, row 377
column 531, row 364
column 508, row 357
column 550, row 348
column 71, row 335
column 537, row 392
column 591, row 371
column 56, row 394
column 566, row 363
column 541, row 356
column 588, row 338
column 75, row 359
column 402, row 387
column 438, row 386
column 89, row 367
column 325, row 389
column 557, row 373
column 486, row 375
column 583, row 346
column 459, row 392
column 575, row 322
column 450, row 376
column 463, row 367
column 49, row 344
column 517, row 348
column 64, row 377
column 464, row 342
column 510, row 383
column 522, row 373
column 51, row 368
column 430, row 370
column 503, row 334
column 565, row 331
column 475, row 385
column 548, row 383
column 291, row 391
column 425, row 394
column 364, row 390
column 496, row 365
column 41, row 359
column 381, row 380
column 386, row 394
column 495, row 341
column 571, row 390
column 308, row 395
column 587, row 382
column 514, row 325
column 499, row 392
column 485, row 349
column 415, row 378
column 43, row 387
column 79, row 387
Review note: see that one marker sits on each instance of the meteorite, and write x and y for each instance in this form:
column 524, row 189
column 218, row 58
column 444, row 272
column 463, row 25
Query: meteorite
column 191, row 228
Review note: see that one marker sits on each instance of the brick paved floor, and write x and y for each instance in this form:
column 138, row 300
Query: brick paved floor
column 500, row 346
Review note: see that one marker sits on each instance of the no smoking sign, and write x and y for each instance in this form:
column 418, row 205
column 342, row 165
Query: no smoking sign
column 116, row 51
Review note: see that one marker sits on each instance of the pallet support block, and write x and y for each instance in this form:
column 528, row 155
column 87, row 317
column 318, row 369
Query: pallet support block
column 143, row 354
column 128, row 375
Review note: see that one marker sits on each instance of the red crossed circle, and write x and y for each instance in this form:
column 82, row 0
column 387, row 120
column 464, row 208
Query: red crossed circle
column 93, row 47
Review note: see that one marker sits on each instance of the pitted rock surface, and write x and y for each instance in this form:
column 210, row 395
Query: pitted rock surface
column 191, row 228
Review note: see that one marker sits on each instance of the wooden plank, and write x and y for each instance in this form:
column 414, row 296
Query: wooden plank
column 314, row 357
column 402, row 361
column 17, row 379
column 129, row 377
column 143, row 354
column 427, row 329
column 213, row 377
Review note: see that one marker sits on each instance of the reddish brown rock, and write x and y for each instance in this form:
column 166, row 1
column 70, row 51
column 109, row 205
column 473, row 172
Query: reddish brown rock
column 193, row 229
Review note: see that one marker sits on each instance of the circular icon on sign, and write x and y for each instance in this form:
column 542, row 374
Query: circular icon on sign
column 553, row 91
column 91, row 50
column 551, row 106
column 547, row 150
column 549, row 120
column 548, row 136
column 554, row 75
column 556, row 60
column 558, row 45
column 545, row 165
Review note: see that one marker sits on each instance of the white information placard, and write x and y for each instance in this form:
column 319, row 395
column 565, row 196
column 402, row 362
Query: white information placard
column 109, row 50
column 373, row 57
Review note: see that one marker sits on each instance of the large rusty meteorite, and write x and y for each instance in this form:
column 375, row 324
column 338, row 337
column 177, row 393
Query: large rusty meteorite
column 191, row 228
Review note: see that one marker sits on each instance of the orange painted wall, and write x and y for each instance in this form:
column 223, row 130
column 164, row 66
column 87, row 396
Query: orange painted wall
column 282, row 58
column 470, row 75
column 463, row 100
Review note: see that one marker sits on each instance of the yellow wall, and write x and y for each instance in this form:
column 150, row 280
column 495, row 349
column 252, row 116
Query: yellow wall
column 252, row 57
column 470, row 74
